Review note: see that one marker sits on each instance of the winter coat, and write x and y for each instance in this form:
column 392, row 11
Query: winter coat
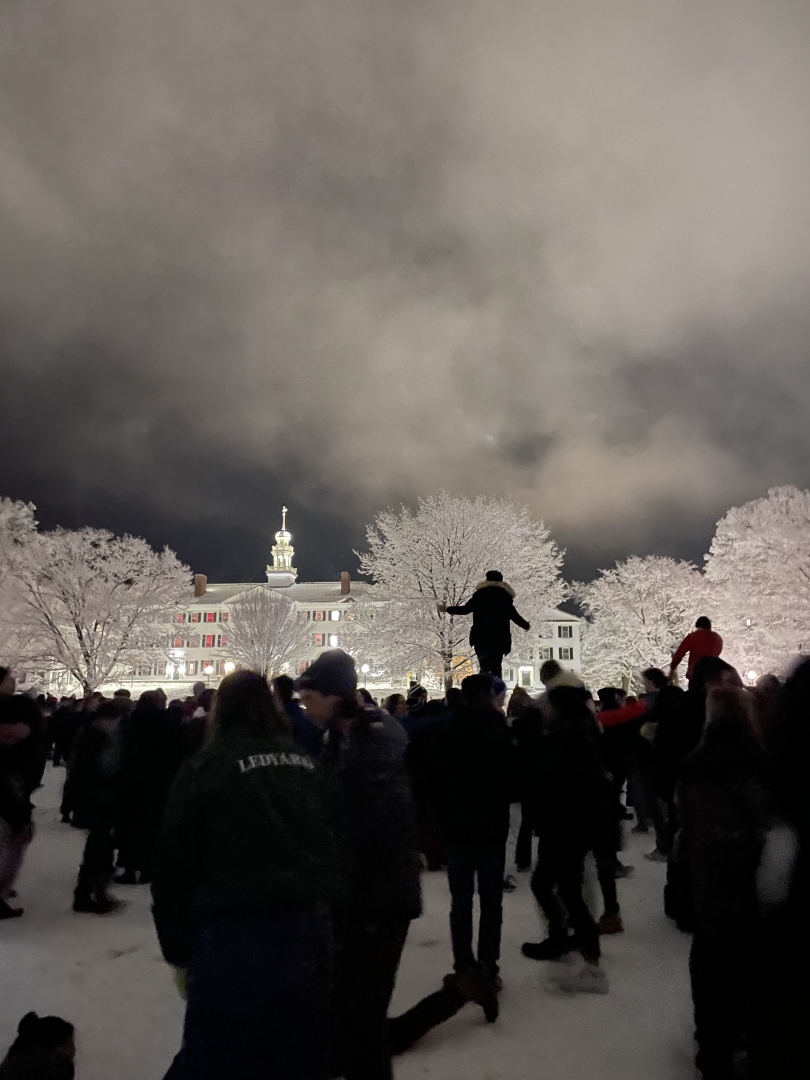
column 678, row 719
column 474, row 776
column 569, row 794
column 375, row 818
column 152, row 752
column 698, row 644
column 15, row 802
column 721, row 830
column 245, row 833
column 493, row 609
column 94, row 778
column 306, row 734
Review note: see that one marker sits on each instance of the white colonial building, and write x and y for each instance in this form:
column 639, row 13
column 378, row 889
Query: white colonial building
column 199, row 649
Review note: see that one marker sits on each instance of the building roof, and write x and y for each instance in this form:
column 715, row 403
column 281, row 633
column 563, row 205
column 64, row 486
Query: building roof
column 305, row 592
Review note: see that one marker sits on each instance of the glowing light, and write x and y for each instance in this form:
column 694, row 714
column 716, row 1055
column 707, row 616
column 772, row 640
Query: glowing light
column 751, row 676
column 209, row 669
column 229, row 666
column 365, row 669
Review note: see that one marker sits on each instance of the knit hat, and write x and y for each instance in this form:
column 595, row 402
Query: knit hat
column 332, row 673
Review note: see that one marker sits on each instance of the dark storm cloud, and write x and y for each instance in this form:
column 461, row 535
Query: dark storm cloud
column 341, row 252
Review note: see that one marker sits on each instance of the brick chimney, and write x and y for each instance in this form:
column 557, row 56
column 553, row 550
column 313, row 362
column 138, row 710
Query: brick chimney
column 200, row 584
column 345, row 583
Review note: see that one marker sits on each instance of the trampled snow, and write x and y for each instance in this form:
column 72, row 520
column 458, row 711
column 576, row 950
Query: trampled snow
column 107, row 977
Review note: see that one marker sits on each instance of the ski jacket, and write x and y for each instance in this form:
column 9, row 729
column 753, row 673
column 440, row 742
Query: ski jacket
column 492, row 607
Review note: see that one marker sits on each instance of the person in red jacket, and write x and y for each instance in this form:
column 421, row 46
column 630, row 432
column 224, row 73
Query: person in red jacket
column 703, row 641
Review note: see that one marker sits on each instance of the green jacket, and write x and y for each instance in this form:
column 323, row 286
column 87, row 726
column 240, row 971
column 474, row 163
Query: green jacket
column 246, row 832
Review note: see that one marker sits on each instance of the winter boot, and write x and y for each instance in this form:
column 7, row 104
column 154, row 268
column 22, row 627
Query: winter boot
column 589, row 979
column 611, row 923
column 509, row 883
column 481, row 986
column 554, row 947
column 9, row 912
column 406, row 1030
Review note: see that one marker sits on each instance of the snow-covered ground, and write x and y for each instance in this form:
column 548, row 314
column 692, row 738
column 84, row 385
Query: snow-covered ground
column 106, row 976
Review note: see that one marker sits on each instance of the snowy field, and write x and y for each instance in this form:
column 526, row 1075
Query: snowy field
column 107, row 977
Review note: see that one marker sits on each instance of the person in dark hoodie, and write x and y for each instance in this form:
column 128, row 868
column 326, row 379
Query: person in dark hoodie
column 152, row 748
column 492, row 607
column 43, row 1050
column 364, row 755
column 95, row 770
column 244, row 871
column 474, row 782
column 724, row 812
column 573, row 813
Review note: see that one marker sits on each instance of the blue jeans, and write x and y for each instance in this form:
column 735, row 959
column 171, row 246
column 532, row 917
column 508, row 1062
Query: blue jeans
column 469, row 865
column 258, row 999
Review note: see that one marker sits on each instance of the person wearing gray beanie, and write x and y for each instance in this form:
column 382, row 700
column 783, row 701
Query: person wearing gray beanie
column 365, row 753
column 333, row 674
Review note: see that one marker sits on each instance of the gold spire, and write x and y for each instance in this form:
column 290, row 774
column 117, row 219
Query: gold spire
column 282, row 571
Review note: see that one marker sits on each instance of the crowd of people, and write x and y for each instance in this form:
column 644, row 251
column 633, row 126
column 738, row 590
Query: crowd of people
column 284, row 828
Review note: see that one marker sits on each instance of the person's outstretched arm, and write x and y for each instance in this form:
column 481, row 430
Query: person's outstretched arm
column 518, row 620
column 459, row 609
column 680, row 652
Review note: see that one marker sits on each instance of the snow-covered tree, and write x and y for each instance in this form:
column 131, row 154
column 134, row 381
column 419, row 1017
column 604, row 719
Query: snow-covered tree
column 266, row 633
column 97, row 605
column 759, row 567
column 18, row 529
column 438, row 554
column 637, row 613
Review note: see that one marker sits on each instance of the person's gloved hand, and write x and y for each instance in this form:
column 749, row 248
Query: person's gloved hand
column 180, row 979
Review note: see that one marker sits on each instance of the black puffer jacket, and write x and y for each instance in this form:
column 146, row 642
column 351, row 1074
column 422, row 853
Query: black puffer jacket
column 375, row 817
column 474, row 776
column 492, row 607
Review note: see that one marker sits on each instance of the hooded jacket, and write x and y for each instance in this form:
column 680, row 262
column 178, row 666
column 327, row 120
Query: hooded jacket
column 245, row 833
column 492, row 607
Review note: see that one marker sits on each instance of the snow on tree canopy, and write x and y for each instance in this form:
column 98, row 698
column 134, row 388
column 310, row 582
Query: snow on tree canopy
column 637, row 614
column 438, row 554
column 759, row 570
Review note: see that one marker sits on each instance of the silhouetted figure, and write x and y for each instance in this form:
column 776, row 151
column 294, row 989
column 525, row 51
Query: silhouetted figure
column 492, row 607
column 703, row 641
column 43, row 1050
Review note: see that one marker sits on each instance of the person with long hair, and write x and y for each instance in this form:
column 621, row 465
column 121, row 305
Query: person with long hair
column 364, row 754
column 244, row 873
column 724, row 811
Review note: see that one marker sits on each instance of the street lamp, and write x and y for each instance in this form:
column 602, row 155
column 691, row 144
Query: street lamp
column 228, row 666
column 751, row 676
column 365, row 669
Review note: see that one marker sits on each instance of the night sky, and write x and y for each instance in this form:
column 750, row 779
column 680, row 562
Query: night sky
column 338, row 254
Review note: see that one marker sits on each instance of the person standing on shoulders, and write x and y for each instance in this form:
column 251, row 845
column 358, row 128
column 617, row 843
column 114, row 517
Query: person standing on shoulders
column 492, row 607
column 703, row 641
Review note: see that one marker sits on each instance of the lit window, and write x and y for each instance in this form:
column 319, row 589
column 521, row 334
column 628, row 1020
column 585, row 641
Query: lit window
column 160, row 669
column 318, row 615
column 208, row 641
column 180, row 617
column 333, row 641
column 191, row 667
column 222, row 639
column 210, row 616
column 565, row 631
column 334, row 615
column 223, row 616
column 195, row 616
column 178, row 643
column 319, row 640
column 566, row 654
column 302, row 666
